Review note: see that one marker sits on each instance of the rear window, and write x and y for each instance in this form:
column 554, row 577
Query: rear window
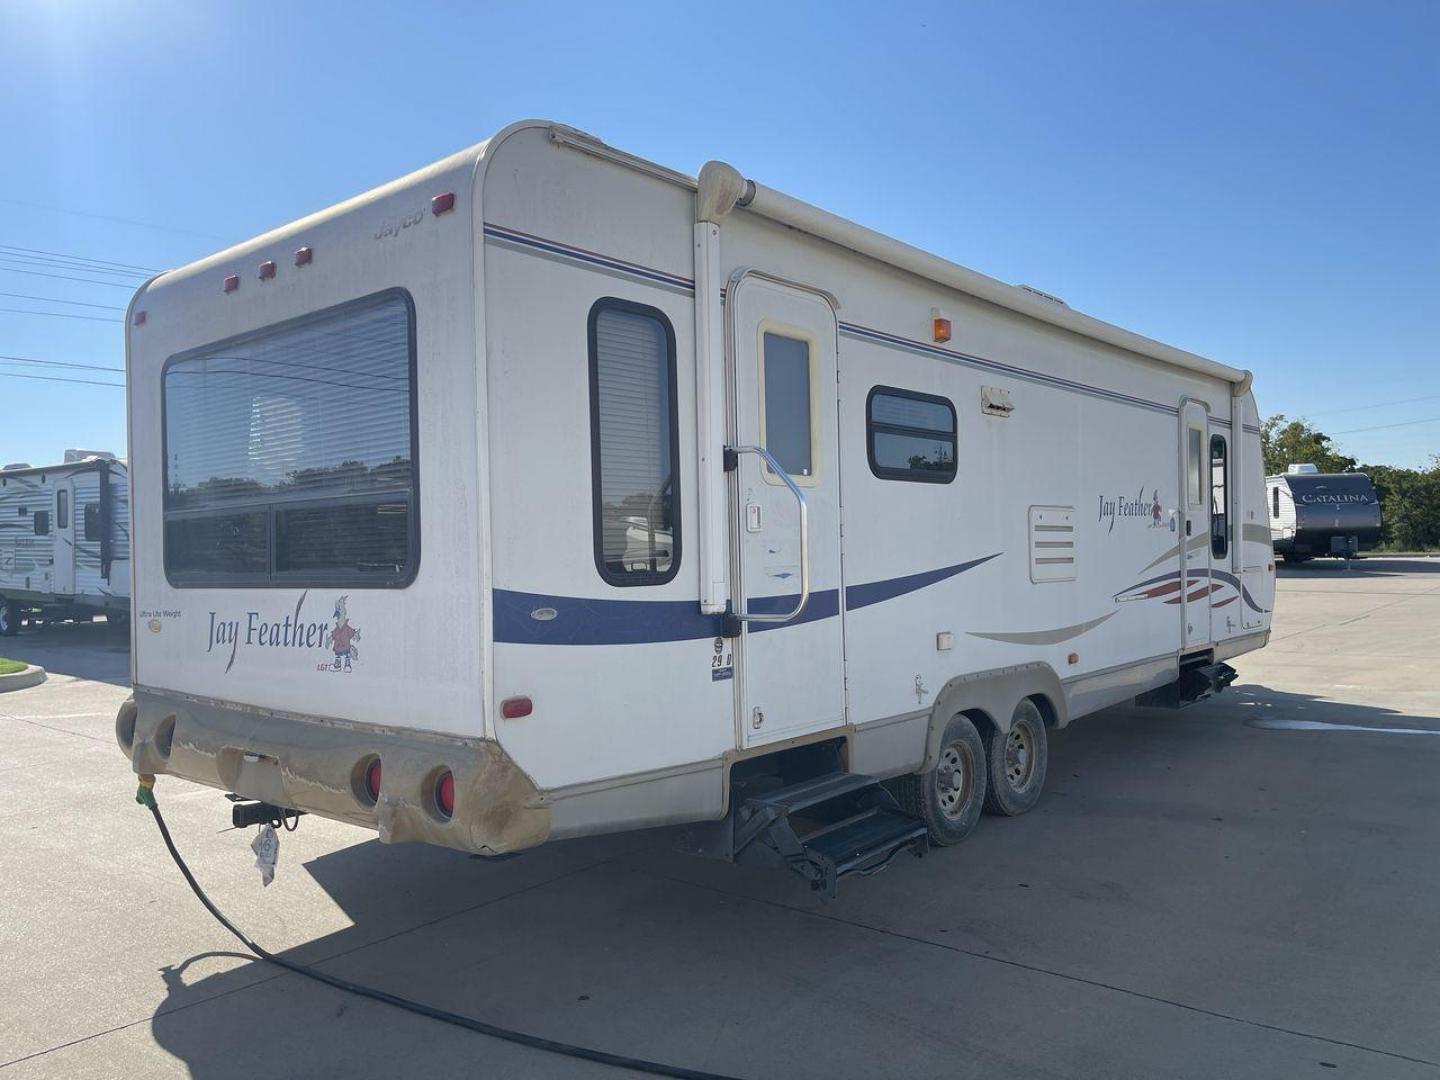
column 290, row 453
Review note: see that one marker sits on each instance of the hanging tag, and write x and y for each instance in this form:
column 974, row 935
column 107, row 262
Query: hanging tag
column 266, row 846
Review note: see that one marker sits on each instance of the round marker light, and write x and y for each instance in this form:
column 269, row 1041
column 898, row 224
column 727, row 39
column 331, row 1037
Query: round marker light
column 445, row 794
column 372, row 780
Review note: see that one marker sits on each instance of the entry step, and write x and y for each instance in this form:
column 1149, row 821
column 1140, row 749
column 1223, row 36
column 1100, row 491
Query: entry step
column 826, row 827
column 1195, row 683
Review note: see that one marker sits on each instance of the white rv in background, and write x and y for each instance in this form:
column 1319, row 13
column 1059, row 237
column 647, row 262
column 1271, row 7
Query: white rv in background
column 64, row 540
column 1315, row 514
column 547, row 491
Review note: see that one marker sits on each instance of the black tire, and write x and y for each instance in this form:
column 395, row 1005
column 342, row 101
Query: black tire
column 1295, row 560
column 9, row 618
column 1017, row 759
column 950, row 812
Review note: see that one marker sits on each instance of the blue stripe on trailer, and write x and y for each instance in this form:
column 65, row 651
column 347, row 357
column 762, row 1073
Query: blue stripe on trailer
column 525, row 618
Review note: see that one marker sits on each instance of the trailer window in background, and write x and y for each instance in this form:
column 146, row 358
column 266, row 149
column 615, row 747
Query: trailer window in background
column 62, row 509
column 92, row 521
column 634, row 444
column 41, row 518
column 785, row 414
column 1219, row 515
column 290, row 453
column 910, row 436
column 1194, row 458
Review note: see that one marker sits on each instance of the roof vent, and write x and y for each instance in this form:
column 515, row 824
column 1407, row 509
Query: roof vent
column 1306, row 470
column 1042, row 294
column 74, row 456
column 13, row 466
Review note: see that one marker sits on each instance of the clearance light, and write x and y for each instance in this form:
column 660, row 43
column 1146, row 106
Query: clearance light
column 442, row 204
column 139, row 319
column 267, row 269
column 303, row 256
column 516, row 707
column 372, row 780
column 445, row 794
column 232, row 282
column 939, row 328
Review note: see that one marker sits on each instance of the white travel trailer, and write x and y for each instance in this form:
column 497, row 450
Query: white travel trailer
column 1315, row 514
column 64, row 540
column 547, row 491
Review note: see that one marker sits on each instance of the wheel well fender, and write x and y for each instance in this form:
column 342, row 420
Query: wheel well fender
column 989, row 698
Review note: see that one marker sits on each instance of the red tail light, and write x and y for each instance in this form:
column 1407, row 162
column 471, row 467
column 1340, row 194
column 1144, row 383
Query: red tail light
column 515, row 707
column 372, row 780
column 445, row 793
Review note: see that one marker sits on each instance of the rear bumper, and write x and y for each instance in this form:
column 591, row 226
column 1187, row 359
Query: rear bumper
column 317, row 765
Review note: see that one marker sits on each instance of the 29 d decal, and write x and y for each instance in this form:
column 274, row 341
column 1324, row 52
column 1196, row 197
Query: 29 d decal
column 292, row 632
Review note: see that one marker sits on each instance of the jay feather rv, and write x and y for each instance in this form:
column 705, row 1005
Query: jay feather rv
column 547, row 492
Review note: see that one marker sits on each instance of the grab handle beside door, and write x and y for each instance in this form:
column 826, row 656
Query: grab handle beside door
column 744, row 617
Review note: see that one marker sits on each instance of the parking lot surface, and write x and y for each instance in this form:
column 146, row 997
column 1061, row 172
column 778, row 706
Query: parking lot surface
column 1246, row 888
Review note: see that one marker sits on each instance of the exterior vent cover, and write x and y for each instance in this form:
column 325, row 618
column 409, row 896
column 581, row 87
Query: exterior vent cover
column 1052, row 543
column 995, row 401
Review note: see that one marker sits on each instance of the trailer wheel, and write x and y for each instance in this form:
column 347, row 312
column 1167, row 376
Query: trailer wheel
column 9, row 618
column 950, row 796
column 1293, row 559
column 1017, row 760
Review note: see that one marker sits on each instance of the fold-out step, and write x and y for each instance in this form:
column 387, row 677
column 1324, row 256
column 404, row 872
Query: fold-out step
column 826, row 827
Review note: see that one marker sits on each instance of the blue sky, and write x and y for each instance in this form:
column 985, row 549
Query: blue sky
column 1257, row 182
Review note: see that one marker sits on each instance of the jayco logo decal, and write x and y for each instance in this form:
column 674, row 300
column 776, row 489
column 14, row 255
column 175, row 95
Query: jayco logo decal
column 292, row 632
column 1138, row 508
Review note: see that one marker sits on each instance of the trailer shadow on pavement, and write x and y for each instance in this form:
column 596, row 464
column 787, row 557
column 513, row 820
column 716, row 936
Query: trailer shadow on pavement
column 1193, row 888
column 96, row 651
column 1369, row 566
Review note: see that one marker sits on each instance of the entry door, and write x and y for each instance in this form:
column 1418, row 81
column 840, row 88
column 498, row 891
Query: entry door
column 782, row 382
column 63, row 579
column 1195, row 545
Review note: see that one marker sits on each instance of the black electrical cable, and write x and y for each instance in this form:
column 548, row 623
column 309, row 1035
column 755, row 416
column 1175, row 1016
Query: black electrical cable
column 146, row 798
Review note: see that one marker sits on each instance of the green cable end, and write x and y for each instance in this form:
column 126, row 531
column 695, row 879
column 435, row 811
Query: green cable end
column 145, row 793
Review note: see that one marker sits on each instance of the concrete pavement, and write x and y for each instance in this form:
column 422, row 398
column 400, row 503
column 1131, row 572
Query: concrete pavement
column 1220, row 892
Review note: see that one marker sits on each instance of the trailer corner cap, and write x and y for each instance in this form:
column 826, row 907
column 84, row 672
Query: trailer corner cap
column 1241, row 386
column 720, row 189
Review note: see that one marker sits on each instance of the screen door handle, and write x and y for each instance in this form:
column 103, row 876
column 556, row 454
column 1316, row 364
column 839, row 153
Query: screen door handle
column 775, row 467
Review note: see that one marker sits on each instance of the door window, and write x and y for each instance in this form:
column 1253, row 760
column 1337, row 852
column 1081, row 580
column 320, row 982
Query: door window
column 1193, row 474
column 786, row 412
column 62, row 509
column 1219, row 518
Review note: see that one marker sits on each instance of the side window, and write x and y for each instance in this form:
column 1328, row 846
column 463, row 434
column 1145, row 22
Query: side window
column 41, row 518
column 1194, row 451
column 785, row 424
column 1275, row 502
column 92, row 521
column 62, row 509
column 634, row 444
column 910, row 436
column 1219, row 516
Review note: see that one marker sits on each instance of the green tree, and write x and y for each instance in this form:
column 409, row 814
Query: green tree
column 1293, row 442
column 1409, row 505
